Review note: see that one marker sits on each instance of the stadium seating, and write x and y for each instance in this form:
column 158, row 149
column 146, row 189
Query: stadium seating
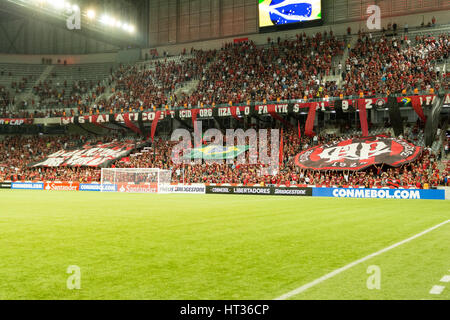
column 314, row 67
column 20, row 151
column 319, row 66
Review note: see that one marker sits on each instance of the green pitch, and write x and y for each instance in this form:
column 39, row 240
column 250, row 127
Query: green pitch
column 140, row 246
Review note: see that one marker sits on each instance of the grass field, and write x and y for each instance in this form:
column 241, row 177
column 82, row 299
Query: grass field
column 140, row 246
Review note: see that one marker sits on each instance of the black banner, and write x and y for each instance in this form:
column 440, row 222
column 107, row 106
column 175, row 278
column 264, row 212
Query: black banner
column 15, row 121
column 5, row 185
column 358, row 153
column 276, row 110
column 280, row 191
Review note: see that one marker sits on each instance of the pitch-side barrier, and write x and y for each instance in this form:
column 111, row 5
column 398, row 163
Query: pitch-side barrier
column 441, row 193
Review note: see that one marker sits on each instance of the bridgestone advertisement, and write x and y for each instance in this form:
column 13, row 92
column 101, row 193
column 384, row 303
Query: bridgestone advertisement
column 281, row 191
column 198, row 188
column 358, row 153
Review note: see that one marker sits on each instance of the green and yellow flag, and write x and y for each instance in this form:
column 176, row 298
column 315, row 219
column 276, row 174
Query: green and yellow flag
column 217, row 152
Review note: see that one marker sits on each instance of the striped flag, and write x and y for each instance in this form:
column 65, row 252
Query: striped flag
column 281, row 148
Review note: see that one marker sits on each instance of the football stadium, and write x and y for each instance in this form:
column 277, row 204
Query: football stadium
column 226, row 150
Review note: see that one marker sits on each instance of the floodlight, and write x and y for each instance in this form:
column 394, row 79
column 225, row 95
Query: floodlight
column 91, row 14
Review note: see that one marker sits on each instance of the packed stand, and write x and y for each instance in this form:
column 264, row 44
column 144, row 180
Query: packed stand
column 388, row 64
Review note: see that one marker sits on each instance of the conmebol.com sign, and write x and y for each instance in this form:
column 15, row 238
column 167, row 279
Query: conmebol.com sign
column 379, row 193
column 28, row 185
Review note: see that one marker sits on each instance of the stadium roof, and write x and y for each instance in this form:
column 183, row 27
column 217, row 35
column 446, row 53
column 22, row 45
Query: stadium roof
column 12, row 13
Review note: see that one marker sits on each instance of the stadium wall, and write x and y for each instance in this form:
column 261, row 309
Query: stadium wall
column 261, row 38
column 189, row 21
column 71, row 59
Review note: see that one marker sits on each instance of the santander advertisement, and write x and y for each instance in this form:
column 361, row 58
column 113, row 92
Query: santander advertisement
column 62, row 186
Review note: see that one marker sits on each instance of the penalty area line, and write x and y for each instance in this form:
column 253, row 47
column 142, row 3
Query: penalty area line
column 354, row 263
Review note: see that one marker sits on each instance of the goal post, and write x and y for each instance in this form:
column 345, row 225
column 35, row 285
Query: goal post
column 135, row 180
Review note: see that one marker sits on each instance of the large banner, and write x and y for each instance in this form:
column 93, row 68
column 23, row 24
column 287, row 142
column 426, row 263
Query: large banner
column 15, row 122
column 90, row 155
column 237, row 112
column 358, row 153
column 216, row 152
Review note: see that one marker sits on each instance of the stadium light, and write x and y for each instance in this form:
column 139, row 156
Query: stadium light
column 113, row 22
column 91, row 14
column 58, row 4
column 64, row 7
column 105, row 19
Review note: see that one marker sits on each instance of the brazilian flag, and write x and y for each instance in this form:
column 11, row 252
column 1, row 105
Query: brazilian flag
column 406, row 101
column 217, row 152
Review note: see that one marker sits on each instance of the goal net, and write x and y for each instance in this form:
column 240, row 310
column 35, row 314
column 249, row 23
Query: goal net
column 135, row 180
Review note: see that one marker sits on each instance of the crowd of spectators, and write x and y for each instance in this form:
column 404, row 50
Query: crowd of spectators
column 20, row 151
column 241, row 72
column 422, row 172
column 237, row 73
column 289, row 69
column 154, row 84
column 390, row 64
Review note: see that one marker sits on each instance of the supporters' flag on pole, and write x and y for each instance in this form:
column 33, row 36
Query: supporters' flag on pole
column 310, row 120
column 272, row 111
column 299, row 130
column 194, row 113
column 155, row 123
column 281, row 148
column 363, row 117
column 130, row 124
column 417, row 106
column 234, row 114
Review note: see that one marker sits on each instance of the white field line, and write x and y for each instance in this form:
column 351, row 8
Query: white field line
column 437, row 289
column 354, row 263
